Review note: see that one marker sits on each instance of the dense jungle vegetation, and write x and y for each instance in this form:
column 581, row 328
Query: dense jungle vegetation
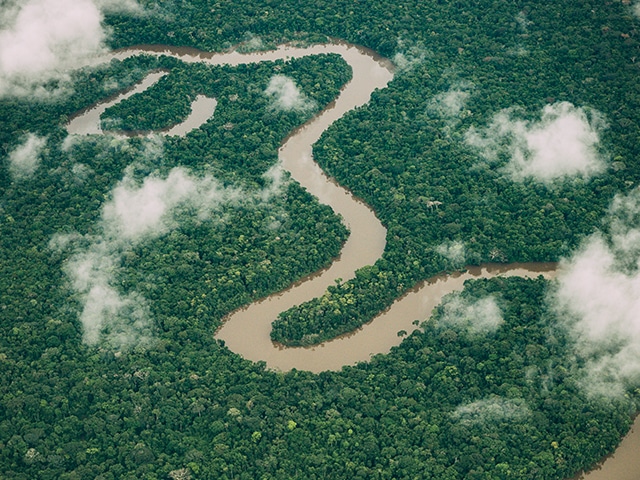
column 442, row 405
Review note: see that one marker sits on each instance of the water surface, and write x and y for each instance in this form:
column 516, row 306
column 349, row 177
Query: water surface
column 247, row 331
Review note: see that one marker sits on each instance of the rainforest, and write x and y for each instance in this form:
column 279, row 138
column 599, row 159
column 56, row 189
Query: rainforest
column 490, row 152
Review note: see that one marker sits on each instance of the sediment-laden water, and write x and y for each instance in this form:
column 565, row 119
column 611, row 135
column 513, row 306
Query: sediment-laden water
column 247, row 331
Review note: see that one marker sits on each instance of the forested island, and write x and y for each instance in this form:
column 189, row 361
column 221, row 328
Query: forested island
column 508, row 134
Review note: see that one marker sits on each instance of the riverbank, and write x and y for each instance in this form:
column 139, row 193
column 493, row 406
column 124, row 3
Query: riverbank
column 247, row 331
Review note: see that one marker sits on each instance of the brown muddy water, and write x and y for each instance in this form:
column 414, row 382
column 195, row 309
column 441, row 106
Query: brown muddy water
column 88, row 122
column 247, row 331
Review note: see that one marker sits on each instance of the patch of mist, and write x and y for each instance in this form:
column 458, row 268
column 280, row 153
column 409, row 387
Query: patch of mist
column 153, row 148
column 145, row 152
column 136, row 212
column 523, row 32
column 112, row 85
column 71, row 141
column 518, row 51
column 120, row 6
column 523, row 23
column 275, row 179
column 449, row 104
column 286, row 96
column 475, row 317
column 140, row 210
column 562, row 144
column 62, row 241
column 597, row 298
column 409, row 55
column 42, row 40
column 251, row 43
column 492, row 410
column 120, row 320
column 25, row 158
column 107, row 124
column 454, row 251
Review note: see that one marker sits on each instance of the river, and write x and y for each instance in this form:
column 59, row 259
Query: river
column 367, row 237
column 247, row 331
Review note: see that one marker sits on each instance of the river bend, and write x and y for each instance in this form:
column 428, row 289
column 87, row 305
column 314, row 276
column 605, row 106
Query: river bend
column 247, row 331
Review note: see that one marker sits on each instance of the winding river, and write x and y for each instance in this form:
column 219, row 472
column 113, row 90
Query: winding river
column 247, row 331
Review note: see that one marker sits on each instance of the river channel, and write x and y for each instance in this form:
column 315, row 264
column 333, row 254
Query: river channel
column 247, row 331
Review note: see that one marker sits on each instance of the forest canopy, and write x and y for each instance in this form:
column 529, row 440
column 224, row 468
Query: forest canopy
column 461, row 157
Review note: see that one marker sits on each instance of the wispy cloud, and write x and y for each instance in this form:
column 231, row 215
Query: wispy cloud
column 475, row 317
column 492, row 410
column 563, row 143
column 275, row 179
column 139, row 211
column 120, row 6
column 25, row 158
column 42, row 40
column 136, row 212
column 523, row 22
column 450, row 104
column 598, row 299
column 285, row 95
column 454, row 251
column 120, row 319
column 251, row 43
column 149, row 210
column 409, row 55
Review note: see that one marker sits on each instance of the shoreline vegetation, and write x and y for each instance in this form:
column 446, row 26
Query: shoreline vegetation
column 258, row 349
column 108, row 312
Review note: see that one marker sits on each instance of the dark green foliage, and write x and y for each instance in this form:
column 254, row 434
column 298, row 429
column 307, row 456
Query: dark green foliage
column 397, row 155
column 169, row 101
column 68, row 411
column 190, row 402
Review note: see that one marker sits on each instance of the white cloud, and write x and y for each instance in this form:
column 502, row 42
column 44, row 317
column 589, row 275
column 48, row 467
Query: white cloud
column 25, row 158
column 523, row 22
column 285, row 95
column 139, row 211
column 492, row 410
column 119, row 6
column 42, row 40
column 477, row 317
column 121, row 320
column 409, row 55
column 598, row 298
column 563, row 143
column 136, row 212
column 451, row 103
column 251, row 43
column 81, row 172
column 454, row 252
column 275, row 179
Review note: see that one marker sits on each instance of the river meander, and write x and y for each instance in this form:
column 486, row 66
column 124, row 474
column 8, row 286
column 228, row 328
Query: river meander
column 247, row 331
